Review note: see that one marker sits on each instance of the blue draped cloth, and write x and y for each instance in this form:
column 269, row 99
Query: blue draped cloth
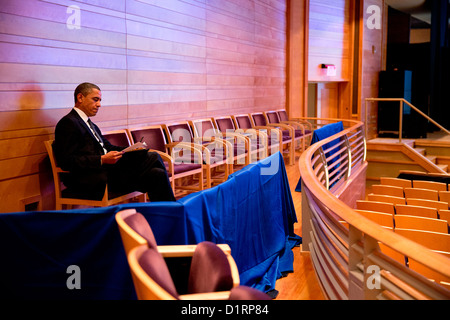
column 321, row 134
column 252, row 211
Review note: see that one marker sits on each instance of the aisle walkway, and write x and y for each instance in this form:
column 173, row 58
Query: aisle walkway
column 303, row 283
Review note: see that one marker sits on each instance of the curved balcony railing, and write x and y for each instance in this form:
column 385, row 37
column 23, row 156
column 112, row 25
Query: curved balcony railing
column 351, row 254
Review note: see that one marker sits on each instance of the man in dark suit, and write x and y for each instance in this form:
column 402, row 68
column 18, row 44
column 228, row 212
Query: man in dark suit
column 92, row 161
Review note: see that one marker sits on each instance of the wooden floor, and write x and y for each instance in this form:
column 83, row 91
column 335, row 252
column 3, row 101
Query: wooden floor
column 302, row 284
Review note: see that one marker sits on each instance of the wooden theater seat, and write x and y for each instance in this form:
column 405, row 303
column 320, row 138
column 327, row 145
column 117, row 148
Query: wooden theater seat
column 386, row 198
column 440, row 205
column 383, row 219
column 388, row 190
column 389, row 181
column 419, row 211
column 376, row 206
column 419, row 193
column 404, row 221
column 433, row 240
column 431, row 185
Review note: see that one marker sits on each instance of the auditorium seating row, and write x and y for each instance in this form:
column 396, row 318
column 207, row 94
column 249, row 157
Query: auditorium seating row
column 202, row 152
column 415, row 209
column 417, row 198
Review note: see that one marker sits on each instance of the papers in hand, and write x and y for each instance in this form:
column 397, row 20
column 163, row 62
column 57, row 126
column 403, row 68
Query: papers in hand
column 136, row 146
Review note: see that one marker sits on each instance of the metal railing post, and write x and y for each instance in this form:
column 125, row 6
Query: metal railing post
column 402, row 102
column 400, row 123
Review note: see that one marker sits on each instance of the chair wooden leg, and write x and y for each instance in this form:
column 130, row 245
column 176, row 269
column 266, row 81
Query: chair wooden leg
column 200, row 181
column 208, row 176
column 292, row 153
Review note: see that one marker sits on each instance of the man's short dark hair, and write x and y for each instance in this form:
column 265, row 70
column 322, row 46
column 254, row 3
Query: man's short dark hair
column 84, row 88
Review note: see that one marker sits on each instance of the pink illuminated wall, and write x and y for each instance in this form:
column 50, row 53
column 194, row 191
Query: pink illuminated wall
column 157, row 61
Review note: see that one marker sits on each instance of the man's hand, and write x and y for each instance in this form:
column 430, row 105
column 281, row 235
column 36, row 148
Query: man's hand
column 111, row 157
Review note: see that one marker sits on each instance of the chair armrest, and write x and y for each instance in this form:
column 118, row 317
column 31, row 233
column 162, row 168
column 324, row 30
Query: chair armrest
column 271, row 129
column 237, row 136
column 224, row 144
column 295, row 124
column 303, row 121
column 219, row 295
column 176, row 251
column 285, row 127
column 163, row 155
column 206, row 155
column 184, row 146
column 302, row 126
column 166, row 157
column 262, row 135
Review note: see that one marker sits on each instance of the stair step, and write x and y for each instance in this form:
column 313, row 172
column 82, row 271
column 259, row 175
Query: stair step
column 420, row 150
column 431, row 158
column 443, row 167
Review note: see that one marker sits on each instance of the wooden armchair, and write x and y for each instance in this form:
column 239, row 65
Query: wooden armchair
column 238, row 144
column 151, row 275
column 287, row 134
column 183, row 175
column 308, row 128
column 215, row 152
column 273, row 140
column 64, row 196
column 299, row 136
column 258, row 139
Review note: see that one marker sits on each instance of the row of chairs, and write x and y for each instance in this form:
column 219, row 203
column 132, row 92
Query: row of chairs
column 202, row 152
column 406, row 183
column 211, row 272
column 427, row 226
column 212, row 144
column 419, row 189
column 426, row 202
column 405, row 216
column 415, row 209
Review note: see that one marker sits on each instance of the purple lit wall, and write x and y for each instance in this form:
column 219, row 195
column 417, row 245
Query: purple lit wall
column 157, row 61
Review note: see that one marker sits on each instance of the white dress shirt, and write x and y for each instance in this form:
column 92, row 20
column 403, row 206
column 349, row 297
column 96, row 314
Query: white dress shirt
column 85, row 119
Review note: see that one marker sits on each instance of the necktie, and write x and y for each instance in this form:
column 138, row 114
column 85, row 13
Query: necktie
column 97, row 135
column 95, row 131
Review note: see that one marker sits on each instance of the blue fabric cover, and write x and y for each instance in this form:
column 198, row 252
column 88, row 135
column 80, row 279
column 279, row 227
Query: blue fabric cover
column 252, row 212
column 321, row 134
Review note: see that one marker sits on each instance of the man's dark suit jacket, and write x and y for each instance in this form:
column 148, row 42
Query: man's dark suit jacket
column 78, row 151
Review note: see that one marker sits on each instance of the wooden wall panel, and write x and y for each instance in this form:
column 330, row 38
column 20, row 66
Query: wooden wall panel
column 297, row 68
column 155, row 61
column 373, row 61
column 330, row 39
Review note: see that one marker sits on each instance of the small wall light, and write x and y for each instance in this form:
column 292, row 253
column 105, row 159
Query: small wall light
column 331, row 69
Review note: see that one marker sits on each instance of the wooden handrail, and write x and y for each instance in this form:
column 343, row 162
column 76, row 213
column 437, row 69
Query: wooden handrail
column 400, row 125
column 344, row 245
